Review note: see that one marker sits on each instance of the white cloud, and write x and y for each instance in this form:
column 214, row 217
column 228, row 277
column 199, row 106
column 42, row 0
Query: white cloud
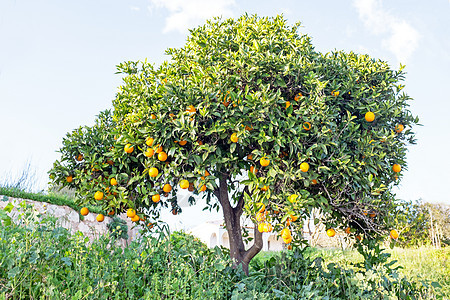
column 185, row 14
column 399, row 36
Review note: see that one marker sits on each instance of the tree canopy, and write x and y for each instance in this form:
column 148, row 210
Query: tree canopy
column 248, row 115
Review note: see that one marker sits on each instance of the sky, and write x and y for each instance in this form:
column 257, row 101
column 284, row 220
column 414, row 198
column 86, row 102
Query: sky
column 58, row 62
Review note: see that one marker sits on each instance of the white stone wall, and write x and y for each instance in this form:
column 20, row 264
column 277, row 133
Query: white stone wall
column 70, row 219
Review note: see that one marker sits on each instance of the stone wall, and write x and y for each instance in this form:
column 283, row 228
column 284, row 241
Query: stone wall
column 70, row 219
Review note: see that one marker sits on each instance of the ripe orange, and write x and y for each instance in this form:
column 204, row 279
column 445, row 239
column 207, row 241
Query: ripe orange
column 369, row 116
column 149, row 141
column 111, row 213
column 79, row 157
column 167, row 188
column 149, row 152
column 396, row 168
column 335, row 93
column 250, row 156
column 153, row 117
column 288, row 104
column 248, row 128
column 84, row 211
column 359, row 238
column 109, row 162
column 128, row 148
column 264, row 188
column 260, row 217
column 253, row 170
column 156, row 198
column 264, row 161
column 331, row 232
column 347, row 230
column 174, row 212
column 153, row 172
column 287, row 240
column 307, row 126
column 293, row 198
column 314, row 182
column 372, row 214
column 98, row 195
column 399, row 128
column 261, row 227
column 131, row 213
column 285, row 233
column 191, row 109
column 203, row 188
column 159, row 148
column 162, row 156
column 184, row 184
column 261, row 207
column 113, row 181
column 69, row 178
column 182, row 142
column 100, row 218
column 394, row 234
column 135, row 218
column 298, row 96
column 293, row 218
column 304, row 167
column 234, row 137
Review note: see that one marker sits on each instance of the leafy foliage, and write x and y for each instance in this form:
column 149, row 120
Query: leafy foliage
column 251, row 86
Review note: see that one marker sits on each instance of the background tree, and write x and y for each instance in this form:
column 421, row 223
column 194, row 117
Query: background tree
column 249, row 116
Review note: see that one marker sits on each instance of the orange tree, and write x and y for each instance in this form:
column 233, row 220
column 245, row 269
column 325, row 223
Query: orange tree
column 250, row 117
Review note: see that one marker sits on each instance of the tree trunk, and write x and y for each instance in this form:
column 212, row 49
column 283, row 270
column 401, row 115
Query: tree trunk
column 232, row 216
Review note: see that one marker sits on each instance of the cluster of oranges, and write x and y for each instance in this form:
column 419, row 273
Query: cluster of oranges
column 263, row 226
column 331, row 233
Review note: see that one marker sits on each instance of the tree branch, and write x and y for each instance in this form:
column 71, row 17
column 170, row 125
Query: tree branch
column 240, row 205
column 255, row 248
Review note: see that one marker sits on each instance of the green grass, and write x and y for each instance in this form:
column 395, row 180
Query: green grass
column 422, row 264
column 49, row 198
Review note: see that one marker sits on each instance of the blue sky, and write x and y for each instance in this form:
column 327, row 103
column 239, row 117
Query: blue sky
column 57, row 65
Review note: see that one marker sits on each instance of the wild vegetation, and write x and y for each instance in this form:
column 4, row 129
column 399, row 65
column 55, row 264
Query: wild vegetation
column 39, row 260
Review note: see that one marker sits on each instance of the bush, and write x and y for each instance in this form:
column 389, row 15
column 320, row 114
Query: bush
column 38, row 259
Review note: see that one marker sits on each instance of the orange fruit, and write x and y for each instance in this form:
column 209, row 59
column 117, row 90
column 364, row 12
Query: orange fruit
column 287, row 240
column 288, row 104
column 153, row 117
column 79, row 157
column 98, row 195
column 156, row 198
column 113, row 181
column 191, row 187
column 292, row 198
column 307, row 126
column 304, row 167
column 174, row 212
column 131, row 213
column 261, row 227
column 167, row 188
column 149, row 152
column 298, row 96
column 135, row 218
column 369, row 116
column 331, row 232
column 372, row 214
column 293, row 218
column 182, row 142
column 191, row 108
column 248, row 128
column 153, row 172
column 109, row 162
column 159, row 149
column 264, row 188
column 250, row 156
column 289, row 247
column 264, row 161
column 396, row 168
column 111, row 213
column 359, row 238
column 100, row 218
column 203, row 188
column 149, row 141
column 253, row 170
column 184, row 184
column 69, row 178
column 128, row 148
column 347, row 230
column 269, row 227
column 393, row 234
column 84, row 211
column 207, row 173
column 399, row 128
column 314, row 182
column 162, row 156
column 335, row 93
column 285, row 233
column 234, row 137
